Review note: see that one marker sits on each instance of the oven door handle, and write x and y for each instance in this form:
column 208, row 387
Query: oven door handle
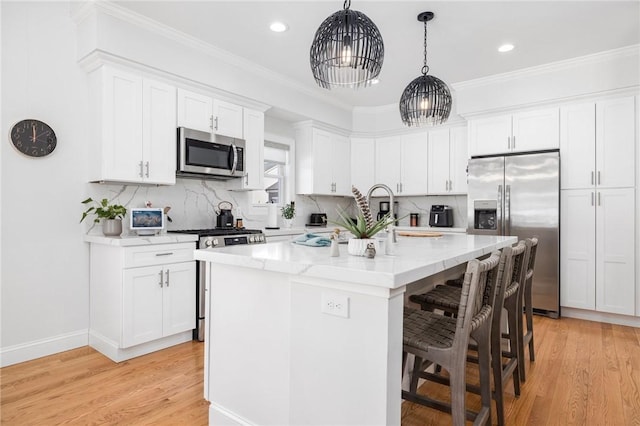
column 234, row 164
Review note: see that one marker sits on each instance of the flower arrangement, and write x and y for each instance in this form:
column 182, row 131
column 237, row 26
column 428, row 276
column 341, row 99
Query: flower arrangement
column 103, row 210
column 364, row 225
column 288, row 210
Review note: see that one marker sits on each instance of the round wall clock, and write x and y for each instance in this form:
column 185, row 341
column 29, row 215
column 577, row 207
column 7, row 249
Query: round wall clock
column 33, row 138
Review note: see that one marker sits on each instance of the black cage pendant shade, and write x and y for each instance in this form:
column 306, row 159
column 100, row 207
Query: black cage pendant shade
column 427, row 99
column 347, row 50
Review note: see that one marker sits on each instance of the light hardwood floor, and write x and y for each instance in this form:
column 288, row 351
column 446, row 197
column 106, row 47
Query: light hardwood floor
column 585, row 373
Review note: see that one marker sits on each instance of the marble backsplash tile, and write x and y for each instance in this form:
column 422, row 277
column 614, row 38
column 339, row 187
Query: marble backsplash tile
column 194, row 202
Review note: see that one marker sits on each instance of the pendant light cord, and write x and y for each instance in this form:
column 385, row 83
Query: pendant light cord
column 425, row 68
column 347, row 4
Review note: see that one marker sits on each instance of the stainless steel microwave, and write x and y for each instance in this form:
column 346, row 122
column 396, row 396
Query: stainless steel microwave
column 206, row 155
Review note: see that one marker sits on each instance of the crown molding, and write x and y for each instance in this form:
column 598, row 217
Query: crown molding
column 91, row 7
column 550, row 67
column 321, row 126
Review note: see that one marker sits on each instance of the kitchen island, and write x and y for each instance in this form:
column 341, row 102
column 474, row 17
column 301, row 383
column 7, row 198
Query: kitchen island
column 296, row 337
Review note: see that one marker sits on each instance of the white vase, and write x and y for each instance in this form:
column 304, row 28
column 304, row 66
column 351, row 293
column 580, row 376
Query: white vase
column 287, row 223
column 112, row 227
column 357, row 246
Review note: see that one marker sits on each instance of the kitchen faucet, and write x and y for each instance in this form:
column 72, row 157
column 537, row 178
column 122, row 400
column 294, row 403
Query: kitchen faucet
column 390, row 227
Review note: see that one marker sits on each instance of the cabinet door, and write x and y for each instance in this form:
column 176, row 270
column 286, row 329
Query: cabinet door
column 227, row 119
column 388, row 164
column 438, row 162
column 413, row 164
column 179, row 298
column 489, row 135
column 340, row 165
column 615, row 143
column 322, row 162
column 122, row 133
column 578, row 249
column 253, row 124
column 535, row 130
column 578, row 146
column 141, row 305
column 158, row 132
column 615, row 254
column 363, row 159
column 458, row 160
column 195, row 111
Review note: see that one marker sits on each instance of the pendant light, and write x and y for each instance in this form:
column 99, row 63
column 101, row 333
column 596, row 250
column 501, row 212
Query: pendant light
column 427, row 99
column 347, row 50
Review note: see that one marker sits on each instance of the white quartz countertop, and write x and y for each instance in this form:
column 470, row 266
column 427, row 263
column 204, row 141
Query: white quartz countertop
column 325, row 229
column 414, row 258
column 135, row 240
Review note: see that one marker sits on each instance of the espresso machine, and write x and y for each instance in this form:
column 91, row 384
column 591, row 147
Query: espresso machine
column 384, row 209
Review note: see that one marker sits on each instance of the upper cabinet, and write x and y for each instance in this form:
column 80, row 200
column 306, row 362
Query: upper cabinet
column 253, row 131
column 447, row 160
column 133, row 128
column 597, row 144
column 519, row 132
column 201, row 112
column 401, row 164
column 322, row 162
column 363, row 158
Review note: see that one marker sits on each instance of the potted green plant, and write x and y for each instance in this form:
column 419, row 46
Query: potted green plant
column 112, row 215
column 364, row 227
column 288, row 213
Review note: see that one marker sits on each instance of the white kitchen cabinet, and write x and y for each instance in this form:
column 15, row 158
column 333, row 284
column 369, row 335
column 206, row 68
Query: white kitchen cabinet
column 363, row 158
column 142, row 298
column 401, row 164
column 447, row 161
column 597, row 144
column 133, row 128
column 322, row 162
column 518, row 132
column 253, row 123
column 201, row 112
column 597, row 269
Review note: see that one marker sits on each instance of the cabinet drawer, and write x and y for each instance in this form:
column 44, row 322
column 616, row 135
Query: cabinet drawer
column 158, row 254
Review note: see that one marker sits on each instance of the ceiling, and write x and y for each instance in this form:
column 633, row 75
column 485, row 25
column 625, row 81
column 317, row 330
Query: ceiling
column 462, row 38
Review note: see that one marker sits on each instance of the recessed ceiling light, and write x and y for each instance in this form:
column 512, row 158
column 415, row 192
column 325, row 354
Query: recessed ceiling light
column 278, row 27
column 505, row 48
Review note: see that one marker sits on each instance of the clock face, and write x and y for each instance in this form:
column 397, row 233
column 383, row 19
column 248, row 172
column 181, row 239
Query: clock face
column 33, row 138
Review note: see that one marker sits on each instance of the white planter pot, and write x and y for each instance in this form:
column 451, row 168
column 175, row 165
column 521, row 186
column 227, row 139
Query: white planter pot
column 112, row 227
column 357, row 246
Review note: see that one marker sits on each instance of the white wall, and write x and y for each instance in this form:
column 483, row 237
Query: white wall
column 44, row 262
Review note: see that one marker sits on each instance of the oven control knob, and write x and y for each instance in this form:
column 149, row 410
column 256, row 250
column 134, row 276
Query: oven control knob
column 251, row 239
column 215, row 242
column 261, row 237
column 208, row 243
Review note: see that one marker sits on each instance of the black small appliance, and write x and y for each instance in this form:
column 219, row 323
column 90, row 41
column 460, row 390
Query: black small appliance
column 384, row 209
column 225, row 217
column 441, row 216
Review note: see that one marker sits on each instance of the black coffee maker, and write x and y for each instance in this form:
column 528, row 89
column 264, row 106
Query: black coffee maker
column 225, row 217
column 384, row 209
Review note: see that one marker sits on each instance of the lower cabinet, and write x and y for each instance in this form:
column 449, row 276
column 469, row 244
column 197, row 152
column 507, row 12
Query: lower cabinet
column 142, row 298
column 597, row 250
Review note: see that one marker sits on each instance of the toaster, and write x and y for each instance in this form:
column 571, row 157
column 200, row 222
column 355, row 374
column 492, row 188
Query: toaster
column 441, row 216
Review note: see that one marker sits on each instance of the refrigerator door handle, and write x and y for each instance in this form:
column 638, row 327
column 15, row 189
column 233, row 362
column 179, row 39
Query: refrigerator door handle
column 507, row 210
column 499, row 211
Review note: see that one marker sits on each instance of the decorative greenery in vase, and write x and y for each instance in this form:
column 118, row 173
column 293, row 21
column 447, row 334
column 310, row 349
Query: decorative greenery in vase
column 364, row 226
column 288, row 210
column 103, row 210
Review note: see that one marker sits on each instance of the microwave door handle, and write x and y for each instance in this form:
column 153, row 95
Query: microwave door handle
column 235, row 159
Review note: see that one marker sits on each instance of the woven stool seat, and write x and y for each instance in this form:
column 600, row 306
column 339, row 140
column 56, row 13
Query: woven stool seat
column 423, row 329
column 444, row 296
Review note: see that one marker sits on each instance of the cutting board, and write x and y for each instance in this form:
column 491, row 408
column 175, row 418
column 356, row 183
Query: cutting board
column 419, row 234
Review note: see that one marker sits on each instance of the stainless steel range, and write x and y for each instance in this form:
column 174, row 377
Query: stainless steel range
column 216, row 238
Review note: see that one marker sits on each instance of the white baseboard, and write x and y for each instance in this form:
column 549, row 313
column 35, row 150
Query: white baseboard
column 111, row 349
column 219, row 416
column 39, row 348
column 605, row 317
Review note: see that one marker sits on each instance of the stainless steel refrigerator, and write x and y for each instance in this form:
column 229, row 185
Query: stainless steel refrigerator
column 519, row 194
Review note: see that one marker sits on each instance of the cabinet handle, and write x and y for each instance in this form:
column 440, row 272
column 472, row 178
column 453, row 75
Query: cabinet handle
column 592, row 198
column 160, row 283
column 450, row 185
column 140, row 164
column 598, row 177
column 599, row 200
column 211, row 122
column 592, row 179
column 400, row 186
column 446, row 185
column 246, row 179
column 216, row 126
column 147, row 166
column 508, row 142
column 513, row 142
column 164, row 254
column 167, row 277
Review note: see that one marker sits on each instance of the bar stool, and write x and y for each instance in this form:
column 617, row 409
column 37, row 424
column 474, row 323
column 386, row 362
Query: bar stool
column 443, row 340
column 527, row 338
column 442, row 297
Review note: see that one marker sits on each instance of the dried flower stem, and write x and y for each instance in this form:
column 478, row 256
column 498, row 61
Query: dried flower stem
column 363, row 206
